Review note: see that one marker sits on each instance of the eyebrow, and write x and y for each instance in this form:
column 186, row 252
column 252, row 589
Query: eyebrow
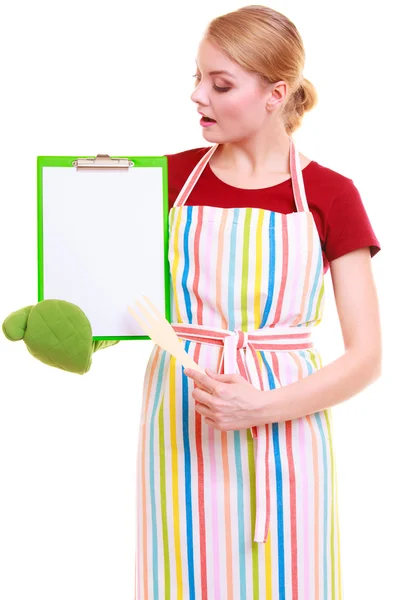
column 219, row 72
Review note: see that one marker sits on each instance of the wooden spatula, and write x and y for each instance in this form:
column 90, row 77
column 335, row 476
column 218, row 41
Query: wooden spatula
column 163, row 334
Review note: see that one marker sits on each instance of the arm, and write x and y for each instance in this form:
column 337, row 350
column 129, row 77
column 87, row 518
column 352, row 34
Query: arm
column 360, row 365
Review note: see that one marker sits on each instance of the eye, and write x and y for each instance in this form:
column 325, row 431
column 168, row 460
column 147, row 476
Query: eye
column 218, row 89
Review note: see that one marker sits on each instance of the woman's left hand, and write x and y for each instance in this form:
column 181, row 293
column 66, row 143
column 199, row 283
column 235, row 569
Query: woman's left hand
column 228, row 401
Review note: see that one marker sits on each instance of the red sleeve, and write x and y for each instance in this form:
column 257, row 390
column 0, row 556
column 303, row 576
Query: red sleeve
column 348, row 226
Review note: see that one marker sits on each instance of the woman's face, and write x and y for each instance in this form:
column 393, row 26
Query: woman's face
column 237, row 101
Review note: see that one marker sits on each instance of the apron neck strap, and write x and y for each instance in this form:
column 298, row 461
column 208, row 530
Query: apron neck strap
column 295, row 173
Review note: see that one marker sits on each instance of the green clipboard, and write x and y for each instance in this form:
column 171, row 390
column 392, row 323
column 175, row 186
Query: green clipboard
column 72, row 191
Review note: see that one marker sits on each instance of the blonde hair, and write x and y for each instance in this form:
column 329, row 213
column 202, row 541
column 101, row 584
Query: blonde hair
column 264, row 41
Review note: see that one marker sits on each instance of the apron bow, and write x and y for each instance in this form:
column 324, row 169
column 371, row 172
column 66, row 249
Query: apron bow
column 240, row 355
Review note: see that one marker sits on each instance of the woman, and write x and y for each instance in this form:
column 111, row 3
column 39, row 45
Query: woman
column 236, row 491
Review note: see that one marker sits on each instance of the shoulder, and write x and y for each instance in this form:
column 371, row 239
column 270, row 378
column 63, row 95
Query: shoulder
column 326, row 178
column 180, row 165
column 333, row 191
column 328, row 192
column 346, row 225
column 339, row 211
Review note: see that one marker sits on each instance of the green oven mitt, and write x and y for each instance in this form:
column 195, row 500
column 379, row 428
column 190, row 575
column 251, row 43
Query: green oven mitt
column 56, row 332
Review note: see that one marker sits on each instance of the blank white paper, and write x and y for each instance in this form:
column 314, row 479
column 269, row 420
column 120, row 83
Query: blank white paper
column 103, row 243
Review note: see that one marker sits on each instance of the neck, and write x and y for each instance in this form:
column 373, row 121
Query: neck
column 253, row 156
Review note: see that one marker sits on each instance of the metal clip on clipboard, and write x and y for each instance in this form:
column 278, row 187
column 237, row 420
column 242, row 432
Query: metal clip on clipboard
column 103, row 161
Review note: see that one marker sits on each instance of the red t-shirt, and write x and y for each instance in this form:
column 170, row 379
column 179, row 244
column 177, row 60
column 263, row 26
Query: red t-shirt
column 340, row 216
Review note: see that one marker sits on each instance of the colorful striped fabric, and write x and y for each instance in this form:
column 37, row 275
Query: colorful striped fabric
column 248, row 513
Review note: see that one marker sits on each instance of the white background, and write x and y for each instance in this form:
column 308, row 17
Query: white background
column 83, row 78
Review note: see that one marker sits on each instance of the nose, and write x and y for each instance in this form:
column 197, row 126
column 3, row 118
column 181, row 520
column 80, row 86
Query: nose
column 197, row 97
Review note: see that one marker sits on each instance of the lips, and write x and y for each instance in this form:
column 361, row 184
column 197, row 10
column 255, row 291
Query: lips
column 200, row 113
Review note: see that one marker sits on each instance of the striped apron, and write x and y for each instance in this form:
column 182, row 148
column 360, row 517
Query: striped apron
column 240, row 514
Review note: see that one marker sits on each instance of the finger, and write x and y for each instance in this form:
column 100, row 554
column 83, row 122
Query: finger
column 226, row 377
column 200, row 387
column 206, row 414
column 203, row 397
column 210, row 423
column 203, row 410
column 201, row 380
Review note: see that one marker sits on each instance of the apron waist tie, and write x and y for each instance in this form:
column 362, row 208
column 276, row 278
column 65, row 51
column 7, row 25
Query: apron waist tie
column 235, row 359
